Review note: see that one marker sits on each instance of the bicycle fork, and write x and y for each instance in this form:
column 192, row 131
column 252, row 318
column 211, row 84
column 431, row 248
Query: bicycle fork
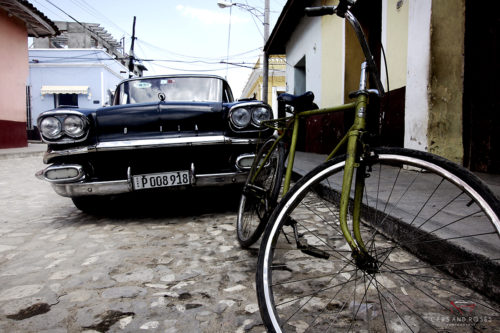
column 352, row 164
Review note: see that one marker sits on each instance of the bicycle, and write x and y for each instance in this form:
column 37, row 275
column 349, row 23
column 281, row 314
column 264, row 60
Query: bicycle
column 424, row 250
column 262, row 188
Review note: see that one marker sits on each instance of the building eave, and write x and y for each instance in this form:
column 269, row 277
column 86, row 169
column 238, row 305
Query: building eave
column 291, row 14
column 37, row 24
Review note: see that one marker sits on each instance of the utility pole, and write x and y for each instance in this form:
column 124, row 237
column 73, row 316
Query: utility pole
column 131, row 56
column 265, row 66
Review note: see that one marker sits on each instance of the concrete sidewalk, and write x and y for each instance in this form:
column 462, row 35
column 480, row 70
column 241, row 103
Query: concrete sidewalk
column 33, row 149
column 305, row 162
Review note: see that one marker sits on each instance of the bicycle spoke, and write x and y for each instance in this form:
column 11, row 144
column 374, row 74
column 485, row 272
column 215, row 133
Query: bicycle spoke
column 417, row 227
column 421, row 278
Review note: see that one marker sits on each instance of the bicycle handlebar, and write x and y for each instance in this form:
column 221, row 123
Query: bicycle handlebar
column 340, row 10
column 320, row 11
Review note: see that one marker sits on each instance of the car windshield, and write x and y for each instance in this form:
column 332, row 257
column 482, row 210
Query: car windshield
column 170, row 89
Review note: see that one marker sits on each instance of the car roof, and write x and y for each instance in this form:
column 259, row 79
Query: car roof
column 175, row 76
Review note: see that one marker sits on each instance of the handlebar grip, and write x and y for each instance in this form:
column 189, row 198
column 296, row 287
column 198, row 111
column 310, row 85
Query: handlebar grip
column 320, row 11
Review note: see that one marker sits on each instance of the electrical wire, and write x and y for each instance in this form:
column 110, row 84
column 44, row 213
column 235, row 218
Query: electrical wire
column 194, row 57
column 190, row 70
column 94, row 12
column 38, row 3
column 86, row 57
column 250, row 54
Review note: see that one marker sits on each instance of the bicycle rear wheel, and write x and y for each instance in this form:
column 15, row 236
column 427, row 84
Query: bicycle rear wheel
column 432, row 231
column 260, row 193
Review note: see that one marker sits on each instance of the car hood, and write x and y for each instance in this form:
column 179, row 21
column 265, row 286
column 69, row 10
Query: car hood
column 162, row 119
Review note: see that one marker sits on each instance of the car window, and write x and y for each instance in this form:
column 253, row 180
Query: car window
column 228, row 95
column 174, row 89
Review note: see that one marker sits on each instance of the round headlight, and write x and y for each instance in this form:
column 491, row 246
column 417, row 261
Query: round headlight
column 240, row 117
column 261, row 114
column 50, row 127
column 74, row 126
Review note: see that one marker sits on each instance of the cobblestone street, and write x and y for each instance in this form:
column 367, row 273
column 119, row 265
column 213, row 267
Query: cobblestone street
column 144, row 266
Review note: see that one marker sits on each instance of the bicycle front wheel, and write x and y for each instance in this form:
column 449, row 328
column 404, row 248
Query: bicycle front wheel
column 431, row 230
column 260, row 192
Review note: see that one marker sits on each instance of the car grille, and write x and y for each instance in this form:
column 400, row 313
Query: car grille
column 206, row 159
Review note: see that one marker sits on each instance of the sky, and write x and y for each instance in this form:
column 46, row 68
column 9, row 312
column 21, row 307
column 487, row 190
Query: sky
column 176, row 36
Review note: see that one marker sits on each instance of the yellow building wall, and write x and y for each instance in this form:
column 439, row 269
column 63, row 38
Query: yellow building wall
column 276, row 78
column 395, row 40
column 341, row 55
column 332, row 58
column 256, row 89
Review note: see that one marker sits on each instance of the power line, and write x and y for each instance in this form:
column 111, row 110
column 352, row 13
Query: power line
column 91, row 10
column 193, row 57
column 48, row 9
column 185, row 59
column 56, row 59
column 189, row 70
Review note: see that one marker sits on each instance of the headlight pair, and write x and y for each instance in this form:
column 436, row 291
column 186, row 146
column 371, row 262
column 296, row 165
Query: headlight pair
column 243, row 116
column 53, row 127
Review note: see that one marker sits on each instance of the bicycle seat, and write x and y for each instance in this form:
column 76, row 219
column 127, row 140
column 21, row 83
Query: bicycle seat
column 299, row 102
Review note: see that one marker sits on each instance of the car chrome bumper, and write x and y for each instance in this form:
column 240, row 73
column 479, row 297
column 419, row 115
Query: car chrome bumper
column 114, row 187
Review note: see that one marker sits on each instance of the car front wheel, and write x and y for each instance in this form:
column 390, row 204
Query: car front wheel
column 91, row 204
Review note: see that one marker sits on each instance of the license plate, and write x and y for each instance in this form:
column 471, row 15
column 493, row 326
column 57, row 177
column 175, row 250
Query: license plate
column 164, row 179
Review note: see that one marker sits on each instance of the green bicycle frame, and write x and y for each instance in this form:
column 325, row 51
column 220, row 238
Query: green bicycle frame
column 293, row 122
column 352, row 140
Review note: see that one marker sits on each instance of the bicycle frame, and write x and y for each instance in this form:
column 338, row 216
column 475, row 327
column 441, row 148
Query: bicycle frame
column 352, row 139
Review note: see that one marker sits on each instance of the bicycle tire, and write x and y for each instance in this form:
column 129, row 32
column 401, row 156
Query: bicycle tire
column 432, row 228
column 256, row 205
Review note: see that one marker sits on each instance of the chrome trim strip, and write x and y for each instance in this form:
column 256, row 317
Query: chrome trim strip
column 192, row 173
column 247, row 104
column 61, row 112
column 94, row 188
column 204, row 108
column 151, row 143
column 125, row 186
column 217, row 179
column 50, row 154
column 172, row 142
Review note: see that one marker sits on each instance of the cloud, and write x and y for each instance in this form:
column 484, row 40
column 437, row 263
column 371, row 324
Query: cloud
column 209, row 16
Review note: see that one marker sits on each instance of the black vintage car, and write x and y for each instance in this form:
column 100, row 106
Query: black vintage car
column 161, row 132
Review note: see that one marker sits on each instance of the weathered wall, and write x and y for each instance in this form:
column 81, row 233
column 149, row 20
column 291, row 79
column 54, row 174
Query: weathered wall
column 14, row 69
column 446, row 79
